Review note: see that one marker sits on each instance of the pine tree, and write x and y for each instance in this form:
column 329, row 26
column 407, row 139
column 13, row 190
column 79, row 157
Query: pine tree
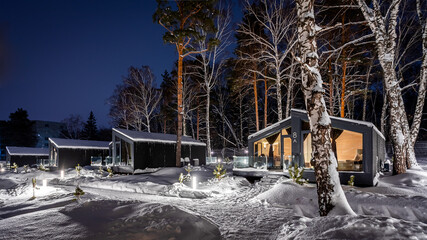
column 90, row 131
column 182, row 23
column 19, row 130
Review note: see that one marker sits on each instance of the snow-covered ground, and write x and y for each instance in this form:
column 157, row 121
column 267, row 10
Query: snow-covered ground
column 153, row 205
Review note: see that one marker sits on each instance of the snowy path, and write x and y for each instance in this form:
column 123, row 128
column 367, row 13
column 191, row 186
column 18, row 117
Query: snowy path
column 147, row 206
column 236, row 217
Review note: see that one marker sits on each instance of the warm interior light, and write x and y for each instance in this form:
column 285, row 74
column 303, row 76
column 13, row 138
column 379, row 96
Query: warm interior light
column 194, row 182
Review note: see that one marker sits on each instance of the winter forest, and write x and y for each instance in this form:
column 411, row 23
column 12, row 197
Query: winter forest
column 360, row 60
column 356, row 60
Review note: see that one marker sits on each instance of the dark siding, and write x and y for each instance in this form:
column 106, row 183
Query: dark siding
column 199, row 152
column 154, row 154
column 69, row 158
column 25, row 160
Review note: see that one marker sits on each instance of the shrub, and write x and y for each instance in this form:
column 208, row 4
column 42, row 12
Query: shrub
column 351, row 181
column 78, row 193
column 219, row 171
column 296, row 174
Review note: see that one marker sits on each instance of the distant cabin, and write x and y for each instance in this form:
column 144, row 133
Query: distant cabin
column 26, row 155
column 139, row 150
column 67, row 153
column 358, row 146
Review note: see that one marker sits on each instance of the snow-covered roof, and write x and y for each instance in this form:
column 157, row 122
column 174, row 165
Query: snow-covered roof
column 368, row 124
column 138, row 136
column 268, row 128
column 79, row 144
column 27, row 151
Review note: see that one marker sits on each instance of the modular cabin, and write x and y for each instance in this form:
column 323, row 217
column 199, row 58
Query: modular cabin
column 140, row 150
column 67, row 153
column 358, row 146
column 26, row 155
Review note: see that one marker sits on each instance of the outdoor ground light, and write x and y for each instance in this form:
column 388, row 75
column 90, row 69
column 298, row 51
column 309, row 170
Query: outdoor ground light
column 62, row 174
column 194, row 182
column 44, row 183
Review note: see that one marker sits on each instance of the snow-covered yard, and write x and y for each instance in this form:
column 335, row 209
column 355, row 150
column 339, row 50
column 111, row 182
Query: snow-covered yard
column 154, row 205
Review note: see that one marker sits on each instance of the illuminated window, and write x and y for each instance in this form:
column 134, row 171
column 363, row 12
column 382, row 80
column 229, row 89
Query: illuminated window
column 287, row 152
column 307, row 150
column 268, row 147
column 347, row 145
column 349, row 150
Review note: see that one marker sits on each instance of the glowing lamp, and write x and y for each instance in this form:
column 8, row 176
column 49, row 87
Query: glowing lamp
column 194, row 182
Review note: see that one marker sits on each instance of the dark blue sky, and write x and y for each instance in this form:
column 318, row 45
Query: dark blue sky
column 65, row 57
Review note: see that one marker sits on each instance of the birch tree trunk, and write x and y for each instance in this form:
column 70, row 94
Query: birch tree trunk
column 415, row 128
column 208, row 130
column 331, row 198
column 385, row 41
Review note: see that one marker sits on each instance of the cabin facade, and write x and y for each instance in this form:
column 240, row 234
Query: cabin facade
column 26, row 155
column 358, row 146
column 67, row 153
column 140, row 150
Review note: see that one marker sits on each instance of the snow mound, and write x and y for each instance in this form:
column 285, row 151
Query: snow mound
column 113, row 184
column 108, row 219
column 303, row 199
column 412, row 178
column 9, row 187
column 352, row 227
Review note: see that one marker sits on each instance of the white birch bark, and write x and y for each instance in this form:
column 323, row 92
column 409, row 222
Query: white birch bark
column 384, row 30
column 278, row 27
column 211, row 63
column 331, row 198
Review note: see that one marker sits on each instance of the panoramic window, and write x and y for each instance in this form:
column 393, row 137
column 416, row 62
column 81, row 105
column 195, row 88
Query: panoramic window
column 269, row 148
column 347, row 146
column 349, row 150
column 307, row 150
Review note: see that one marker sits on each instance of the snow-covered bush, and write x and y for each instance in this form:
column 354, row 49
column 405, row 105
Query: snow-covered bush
column 25, row 168
column 189, row 168
column 14, row 167
column 78, row 169
column 184, row 178
column 351, row 181
column 110, row 172
column 42, row 168
column 296, row 174
column 78, row 193
column 101, row 171
column 219, row 171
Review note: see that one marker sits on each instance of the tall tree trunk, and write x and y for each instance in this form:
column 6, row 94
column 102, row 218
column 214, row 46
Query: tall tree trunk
column 198, row 119
column 384, row 114
column 290, row 89
column 343, row 83
column 208, row 130
column 256, row 101
column 330, row 195
column 415, row 127
column 265, row 102
column 331, row 88
column 180, row 107
column 279, row 94
column 365, row 93
column 384, row 29
column 344, row 69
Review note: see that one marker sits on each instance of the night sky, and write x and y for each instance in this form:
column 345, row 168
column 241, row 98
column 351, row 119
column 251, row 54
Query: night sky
column 65, row 57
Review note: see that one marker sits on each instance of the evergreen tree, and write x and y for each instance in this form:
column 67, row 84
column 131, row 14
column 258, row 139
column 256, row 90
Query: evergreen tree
column 183, row 22
column 19, row 130
column 90, row 131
